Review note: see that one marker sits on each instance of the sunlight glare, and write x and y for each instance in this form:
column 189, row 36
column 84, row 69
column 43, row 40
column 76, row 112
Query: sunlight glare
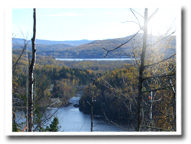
column 162, row 22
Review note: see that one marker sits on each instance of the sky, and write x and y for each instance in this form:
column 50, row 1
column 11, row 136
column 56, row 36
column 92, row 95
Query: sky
column 86, row 23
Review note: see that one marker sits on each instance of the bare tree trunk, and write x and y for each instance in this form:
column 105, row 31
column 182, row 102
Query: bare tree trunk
column 92, row 114
column 174, row 105
column 141, row 69
column 31, row 68
column 151, row 112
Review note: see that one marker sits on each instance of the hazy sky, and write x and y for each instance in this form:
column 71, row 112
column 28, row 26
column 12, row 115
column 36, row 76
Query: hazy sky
column 85, row 23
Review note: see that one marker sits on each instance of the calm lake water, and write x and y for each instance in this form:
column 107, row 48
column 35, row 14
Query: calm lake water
column 94, row 59
column 71, row 119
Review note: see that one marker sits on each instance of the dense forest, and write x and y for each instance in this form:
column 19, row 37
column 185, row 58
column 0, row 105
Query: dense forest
column 115, row 94
column 50, row 72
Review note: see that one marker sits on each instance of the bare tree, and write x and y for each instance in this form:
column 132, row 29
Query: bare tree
column 31, row 97
column 31, row 79
column 141, row 69
column 92, row 103
column 16, row 88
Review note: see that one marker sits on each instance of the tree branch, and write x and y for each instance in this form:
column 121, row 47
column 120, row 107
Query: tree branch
column 23, row 50
column 133, row 22
column 137, row 13
column 162, row 38
column 157, row 76
column 121, row 44
column 112, row 121
column 161, row 129
column 136, row 18
column 131, row 37
column 163, row 88
column 160, row 61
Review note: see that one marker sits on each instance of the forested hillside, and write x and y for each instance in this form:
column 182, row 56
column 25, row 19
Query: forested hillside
column 115, row 93
column 51, row 42
column 52, row 79
column 95, row 49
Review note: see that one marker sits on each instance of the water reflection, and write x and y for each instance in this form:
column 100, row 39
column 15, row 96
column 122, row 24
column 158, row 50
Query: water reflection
column 73, row 120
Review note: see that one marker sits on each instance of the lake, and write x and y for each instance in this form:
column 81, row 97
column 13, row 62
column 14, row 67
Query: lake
column 71, row 119
column 94, row 59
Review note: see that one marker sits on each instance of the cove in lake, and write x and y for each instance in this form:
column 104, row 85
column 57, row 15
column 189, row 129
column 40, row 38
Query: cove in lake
column 71, row 119
column 94, row 59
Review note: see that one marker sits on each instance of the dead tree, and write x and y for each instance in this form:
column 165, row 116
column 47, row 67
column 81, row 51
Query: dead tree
column 92, row 104
column 31, row 80
column 141, row 69
column 14, row 68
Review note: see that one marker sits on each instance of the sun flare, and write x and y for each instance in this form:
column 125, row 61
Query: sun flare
column 160, row 24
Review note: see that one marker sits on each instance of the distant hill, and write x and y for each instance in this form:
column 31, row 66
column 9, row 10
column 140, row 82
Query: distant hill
column 49, row 42
column 94, row 49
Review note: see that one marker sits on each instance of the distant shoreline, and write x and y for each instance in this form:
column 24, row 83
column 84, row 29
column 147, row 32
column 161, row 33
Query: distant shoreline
column 93, row 59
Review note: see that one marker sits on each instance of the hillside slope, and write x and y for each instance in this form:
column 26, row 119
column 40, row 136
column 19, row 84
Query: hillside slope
column 94, row 49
